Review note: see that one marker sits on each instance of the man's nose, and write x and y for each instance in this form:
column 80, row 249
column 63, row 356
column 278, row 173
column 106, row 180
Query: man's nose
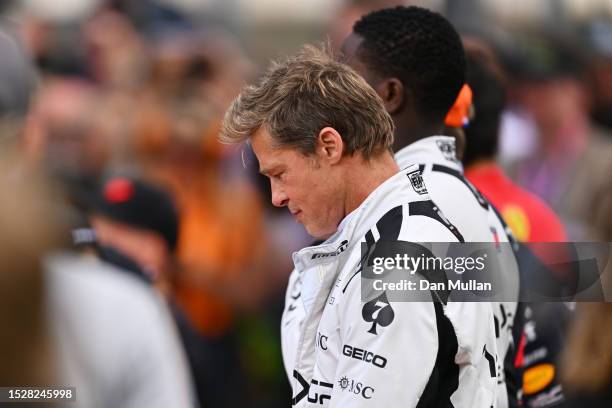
column 279, row 198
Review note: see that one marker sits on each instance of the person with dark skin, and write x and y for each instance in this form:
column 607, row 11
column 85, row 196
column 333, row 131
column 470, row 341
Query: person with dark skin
column 415, row 61
column 416, row 112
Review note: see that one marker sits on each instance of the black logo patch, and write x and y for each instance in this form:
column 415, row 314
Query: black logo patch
column 364, row 355
column 319, row 396
column 378, row 312
column 341, row 248
column 356, row 387
column 417, row 182
column 305, row 387
column 344, row 383
column 321, row 341
column 295, row 294
column 447, row 147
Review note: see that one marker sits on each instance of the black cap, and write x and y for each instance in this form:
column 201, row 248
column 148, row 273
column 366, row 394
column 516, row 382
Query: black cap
column 139, row 204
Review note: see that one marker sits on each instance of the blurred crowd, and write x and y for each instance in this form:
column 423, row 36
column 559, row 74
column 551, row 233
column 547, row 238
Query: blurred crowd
column 112, row 118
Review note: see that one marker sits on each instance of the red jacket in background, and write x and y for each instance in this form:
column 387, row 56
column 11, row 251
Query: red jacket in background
column 529, row 218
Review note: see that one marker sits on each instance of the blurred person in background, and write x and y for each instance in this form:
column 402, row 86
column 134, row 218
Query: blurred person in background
column 174, row 139
column 229, row 272
column 116, row 52
column 415, row 61
column 597, row 38
column 88, row 325
column 116, row 341
column 587, row 359
column 530, row 219
column 29, row 231
column 341, row 24
column 142, row 89
column 549, row 81
column 140, row 221
column 69, row 134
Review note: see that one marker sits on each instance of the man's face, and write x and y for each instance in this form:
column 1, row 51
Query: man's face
column 553, row 104
column 307, row 185
column 147, row 248
column 388, row 88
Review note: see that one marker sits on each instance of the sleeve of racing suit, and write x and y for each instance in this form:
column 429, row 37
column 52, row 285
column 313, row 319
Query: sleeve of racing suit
column 388, row 352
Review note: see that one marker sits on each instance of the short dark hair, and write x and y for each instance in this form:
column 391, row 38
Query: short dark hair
column 489, row 100
column 419, row 47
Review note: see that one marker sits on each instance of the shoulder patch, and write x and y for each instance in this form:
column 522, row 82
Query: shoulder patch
column 447, row 147
column 417, row 182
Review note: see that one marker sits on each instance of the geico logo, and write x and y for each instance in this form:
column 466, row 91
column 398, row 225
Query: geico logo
column 364, row 355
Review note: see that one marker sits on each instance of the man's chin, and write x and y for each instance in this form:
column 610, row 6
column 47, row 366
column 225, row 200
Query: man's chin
column 318, row 234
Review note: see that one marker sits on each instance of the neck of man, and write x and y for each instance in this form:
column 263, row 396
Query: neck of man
column 408, row 131
column 364, row 176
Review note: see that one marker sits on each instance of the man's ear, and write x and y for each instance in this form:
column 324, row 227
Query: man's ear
column 329, row 145
column 391, row 90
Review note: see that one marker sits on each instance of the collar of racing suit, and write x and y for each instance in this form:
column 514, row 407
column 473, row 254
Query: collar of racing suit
column 329, row 257
column 433, row 149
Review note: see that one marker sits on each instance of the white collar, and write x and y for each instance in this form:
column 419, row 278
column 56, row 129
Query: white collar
column 433, row 149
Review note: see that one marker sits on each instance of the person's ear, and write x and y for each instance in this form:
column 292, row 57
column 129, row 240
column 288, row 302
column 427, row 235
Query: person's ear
column 391, row 90
column 329, row 145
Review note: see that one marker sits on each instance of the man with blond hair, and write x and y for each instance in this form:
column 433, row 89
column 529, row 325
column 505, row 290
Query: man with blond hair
column 323, row 138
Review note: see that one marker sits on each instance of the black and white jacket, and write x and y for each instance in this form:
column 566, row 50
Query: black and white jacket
column 478, row 221
column 341, row 352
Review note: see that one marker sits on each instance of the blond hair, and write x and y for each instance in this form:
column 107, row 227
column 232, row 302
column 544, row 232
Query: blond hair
column 299, row 96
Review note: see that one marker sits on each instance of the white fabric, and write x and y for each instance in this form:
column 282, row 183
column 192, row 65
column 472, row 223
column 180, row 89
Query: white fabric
column 117, row 343
column 329, row 350
column 458, row 202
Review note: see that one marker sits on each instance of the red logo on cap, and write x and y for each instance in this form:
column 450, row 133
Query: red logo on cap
column 118, row 190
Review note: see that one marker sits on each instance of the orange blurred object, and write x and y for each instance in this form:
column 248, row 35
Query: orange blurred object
column 459, row 115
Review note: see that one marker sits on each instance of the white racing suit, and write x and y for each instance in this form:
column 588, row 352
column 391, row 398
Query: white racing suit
column 478, row 221
column 341, row 352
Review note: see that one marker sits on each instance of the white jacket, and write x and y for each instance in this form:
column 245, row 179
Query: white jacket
column 114, row 337
column 341, row 352
column 477, row 220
